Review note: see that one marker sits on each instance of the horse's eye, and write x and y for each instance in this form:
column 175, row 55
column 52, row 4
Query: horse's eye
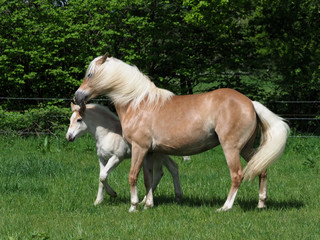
column 89, row 75
column 79, row 120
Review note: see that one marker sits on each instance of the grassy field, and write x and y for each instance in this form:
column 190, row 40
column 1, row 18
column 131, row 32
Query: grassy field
column 48, row 186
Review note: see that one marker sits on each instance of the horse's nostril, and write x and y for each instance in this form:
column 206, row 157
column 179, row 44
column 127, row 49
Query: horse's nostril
column 80, row 97
column 70, row 138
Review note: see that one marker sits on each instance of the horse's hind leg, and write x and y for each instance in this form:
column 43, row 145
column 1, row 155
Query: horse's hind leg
column 263, row 190
column 233, row 160
column 247, row 153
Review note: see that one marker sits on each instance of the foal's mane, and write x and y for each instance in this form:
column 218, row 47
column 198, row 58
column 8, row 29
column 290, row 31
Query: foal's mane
column 102, row 110
column 124, row 83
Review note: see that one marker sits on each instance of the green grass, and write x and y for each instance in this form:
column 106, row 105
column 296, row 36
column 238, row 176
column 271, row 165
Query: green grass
column 48, row 186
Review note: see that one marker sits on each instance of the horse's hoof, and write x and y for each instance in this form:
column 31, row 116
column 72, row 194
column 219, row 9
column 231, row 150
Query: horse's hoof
column 133, row 209
column 147, row 207
column 262, row 206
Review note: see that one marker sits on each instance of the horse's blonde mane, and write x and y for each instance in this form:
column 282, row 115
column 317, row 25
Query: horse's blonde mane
column 124, row 83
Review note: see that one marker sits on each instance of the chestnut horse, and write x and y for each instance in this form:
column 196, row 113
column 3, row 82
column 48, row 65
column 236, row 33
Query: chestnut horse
column 156, row 120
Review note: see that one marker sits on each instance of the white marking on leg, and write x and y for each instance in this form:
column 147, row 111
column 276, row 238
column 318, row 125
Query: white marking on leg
column 134, row 198
column 105, row 171
column 149, row 200
column 99, row 198
column 229, row 202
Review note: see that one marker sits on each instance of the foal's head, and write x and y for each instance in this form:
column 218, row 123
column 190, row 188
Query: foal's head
column 77, row 125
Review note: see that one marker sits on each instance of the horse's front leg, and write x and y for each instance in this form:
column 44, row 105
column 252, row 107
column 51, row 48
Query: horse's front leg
column 138, row 155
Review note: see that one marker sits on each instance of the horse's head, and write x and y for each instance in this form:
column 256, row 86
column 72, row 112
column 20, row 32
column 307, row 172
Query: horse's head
column 77, row 125
column 88, row 88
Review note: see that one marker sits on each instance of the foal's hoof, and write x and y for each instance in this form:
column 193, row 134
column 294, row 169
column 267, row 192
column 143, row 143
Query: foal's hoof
column 98, row 201
column 143, row 201
column 178, row 198
column 112, row 193
column 223, row 209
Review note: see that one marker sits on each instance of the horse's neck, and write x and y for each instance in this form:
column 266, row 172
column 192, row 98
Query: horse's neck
column 121, row 110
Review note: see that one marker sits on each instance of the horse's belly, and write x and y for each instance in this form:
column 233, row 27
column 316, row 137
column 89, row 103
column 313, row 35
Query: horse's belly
column 185, row 145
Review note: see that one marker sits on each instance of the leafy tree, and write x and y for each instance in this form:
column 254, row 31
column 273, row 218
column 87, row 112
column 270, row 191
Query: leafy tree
column 287, row 33
column 268, row 50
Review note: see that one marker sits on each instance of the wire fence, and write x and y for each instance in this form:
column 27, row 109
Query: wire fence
column 303, row 113
column 293, row 118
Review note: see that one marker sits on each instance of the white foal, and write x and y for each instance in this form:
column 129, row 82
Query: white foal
column 105, row 127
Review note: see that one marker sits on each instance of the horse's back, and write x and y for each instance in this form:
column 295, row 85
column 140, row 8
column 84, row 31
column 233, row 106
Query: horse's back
column 206, row 108
column 196, row 122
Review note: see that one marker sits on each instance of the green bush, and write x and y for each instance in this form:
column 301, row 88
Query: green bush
column 47, row 119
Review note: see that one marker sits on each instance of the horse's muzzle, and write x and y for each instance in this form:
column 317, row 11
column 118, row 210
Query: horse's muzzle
column 80, row 97
column 70, row 137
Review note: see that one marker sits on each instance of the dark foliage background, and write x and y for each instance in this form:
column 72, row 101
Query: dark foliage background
column 268, row 50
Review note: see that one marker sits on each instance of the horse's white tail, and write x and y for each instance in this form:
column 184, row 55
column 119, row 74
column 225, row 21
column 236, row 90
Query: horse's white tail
column 273, row 140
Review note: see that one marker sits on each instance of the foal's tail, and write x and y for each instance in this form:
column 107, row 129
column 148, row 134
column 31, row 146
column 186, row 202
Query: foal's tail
column 273, row 139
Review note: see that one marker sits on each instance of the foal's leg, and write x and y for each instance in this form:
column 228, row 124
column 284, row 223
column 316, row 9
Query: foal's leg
column 233, row 160
column 158, row 161
column 99, row 198
column 158, row 173
column 113, row 162
column 138, row 155
column 173, row 169
column 148, row 179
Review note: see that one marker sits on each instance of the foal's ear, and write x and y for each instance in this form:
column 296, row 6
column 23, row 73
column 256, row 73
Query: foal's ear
column 74, row 107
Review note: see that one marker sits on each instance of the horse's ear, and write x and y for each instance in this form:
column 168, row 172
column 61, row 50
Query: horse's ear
column 104, row 58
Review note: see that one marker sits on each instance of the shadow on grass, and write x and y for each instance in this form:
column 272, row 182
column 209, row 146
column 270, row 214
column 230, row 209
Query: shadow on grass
column 251, row 205
column 191, row 201
column 169, row 200
column 245, row 205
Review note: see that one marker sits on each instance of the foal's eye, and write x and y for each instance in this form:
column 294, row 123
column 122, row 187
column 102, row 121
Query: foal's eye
column 79, row 120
